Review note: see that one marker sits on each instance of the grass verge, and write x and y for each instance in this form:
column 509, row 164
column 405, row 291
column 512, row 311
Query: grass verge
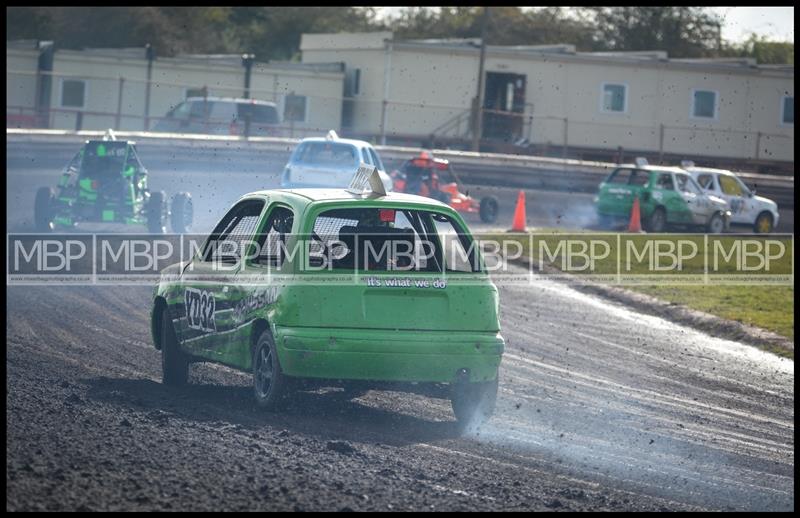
column 725, row 292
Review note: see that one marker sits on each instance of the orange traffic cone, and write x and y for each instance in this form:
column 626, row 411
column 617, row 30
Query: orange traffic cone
column 518, row 225
column 636, row 218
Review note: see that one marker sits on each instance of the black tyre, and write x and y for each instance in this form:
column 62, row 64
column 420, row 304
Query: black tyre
column 155, row 213
column 763, row 224
column 658, row 220
column 43, row 209
column 473, row 403
column 182, row 213
column 174, row 364
column 488, row 209
column 270, row 386
column 716, row 225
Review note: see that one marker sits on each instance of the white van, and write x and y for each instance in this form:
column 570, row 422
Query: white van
column 221, row 116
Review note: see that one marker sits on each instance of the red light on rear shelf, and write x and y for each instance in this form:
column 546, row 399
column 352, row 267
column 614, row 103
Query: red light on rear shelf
column 387, row 215
column 94, row 184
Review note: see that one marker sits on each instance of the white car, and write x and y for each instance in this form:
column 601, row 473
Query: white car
column 330, row 162
column 746, row 208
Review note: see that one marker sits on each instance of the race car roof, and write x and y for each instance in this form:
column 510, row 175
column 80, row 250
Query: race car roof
column 709, row 170
column 313, row 195
column 663, row 168
column 362, row 143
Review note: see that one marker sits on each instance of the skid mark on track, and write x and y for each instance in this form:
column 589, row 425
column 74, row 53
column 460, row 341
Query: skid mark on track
column 595, row 382
column 591, row 450
column 651, row 423
column 556, row 468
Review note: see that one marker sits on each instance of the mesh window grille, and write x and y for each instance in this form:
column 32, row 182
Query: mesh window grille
column 239, row 230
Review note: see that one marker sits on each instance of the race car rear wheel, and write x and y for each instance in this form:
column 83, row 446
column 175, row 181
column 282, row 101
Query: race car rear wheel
column 182, row 213
column 43, row 209
column 716, row 225
column 658, row 220
column 473, row 403
column 488, row 209
column 270, row 385
column 155, row 213
column 763, row 224
column 174, row 364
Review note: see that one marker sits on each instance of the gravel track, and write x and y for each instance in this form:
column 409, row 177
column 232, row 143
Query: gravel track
column 600, row 408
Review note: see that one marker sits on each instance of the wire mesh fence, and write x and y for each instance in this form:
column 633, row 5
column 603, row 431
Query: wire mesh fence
column 96, row 102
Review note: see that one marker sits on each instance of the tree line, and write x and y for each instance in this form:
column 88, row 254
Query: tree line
column 273, row 33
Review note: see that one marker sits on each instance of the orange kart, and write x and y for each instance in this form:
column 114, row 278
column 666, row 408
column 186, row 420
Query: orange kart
column 435, row 178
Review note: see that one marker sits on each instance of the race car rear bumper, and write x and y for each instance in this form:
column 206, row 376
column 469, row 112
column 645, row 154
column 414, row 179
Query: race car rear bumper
column 388, row 355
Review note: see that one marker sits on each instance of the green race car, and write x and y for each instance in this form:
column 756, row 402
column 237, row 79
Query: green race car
column 106, row 183
column 668, row 196
column 294, row 285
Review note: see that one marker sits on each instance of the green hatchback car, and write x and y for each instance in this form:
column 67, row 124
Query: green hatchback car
column 328, row 285
column 668, row 196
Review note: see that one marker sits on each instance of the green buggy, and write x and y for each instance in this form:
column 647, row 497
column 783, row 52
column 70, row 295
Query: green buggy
column 106, row 183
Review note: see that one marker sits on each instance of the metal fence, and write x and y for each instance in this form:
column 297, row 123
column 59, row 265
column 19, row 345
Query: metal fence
column 25, row 117
column 124, row 103
column 135, row 104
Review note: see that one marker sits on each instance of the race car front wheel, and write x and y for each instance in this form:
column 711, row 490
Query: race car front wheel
column 270, row 386
column 716, row 225
column 658, row 220
column 488, row 209
column 155, row 213
column 473, row 403
column 43, row 209
column 174, row 364
column 763, row 223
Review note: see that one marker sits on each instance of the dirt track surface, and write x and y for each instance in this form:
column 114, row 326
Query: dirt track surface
column 599, row 409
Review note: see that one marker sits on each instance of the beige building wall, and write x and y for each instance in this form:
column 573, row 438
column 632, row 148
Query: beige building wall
column 367, row 102
column 100, row 75
column 171, row 77
column 21, row 65
column 443, row 88
column 429, row 86
column 418, row 103
column 322, row 90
